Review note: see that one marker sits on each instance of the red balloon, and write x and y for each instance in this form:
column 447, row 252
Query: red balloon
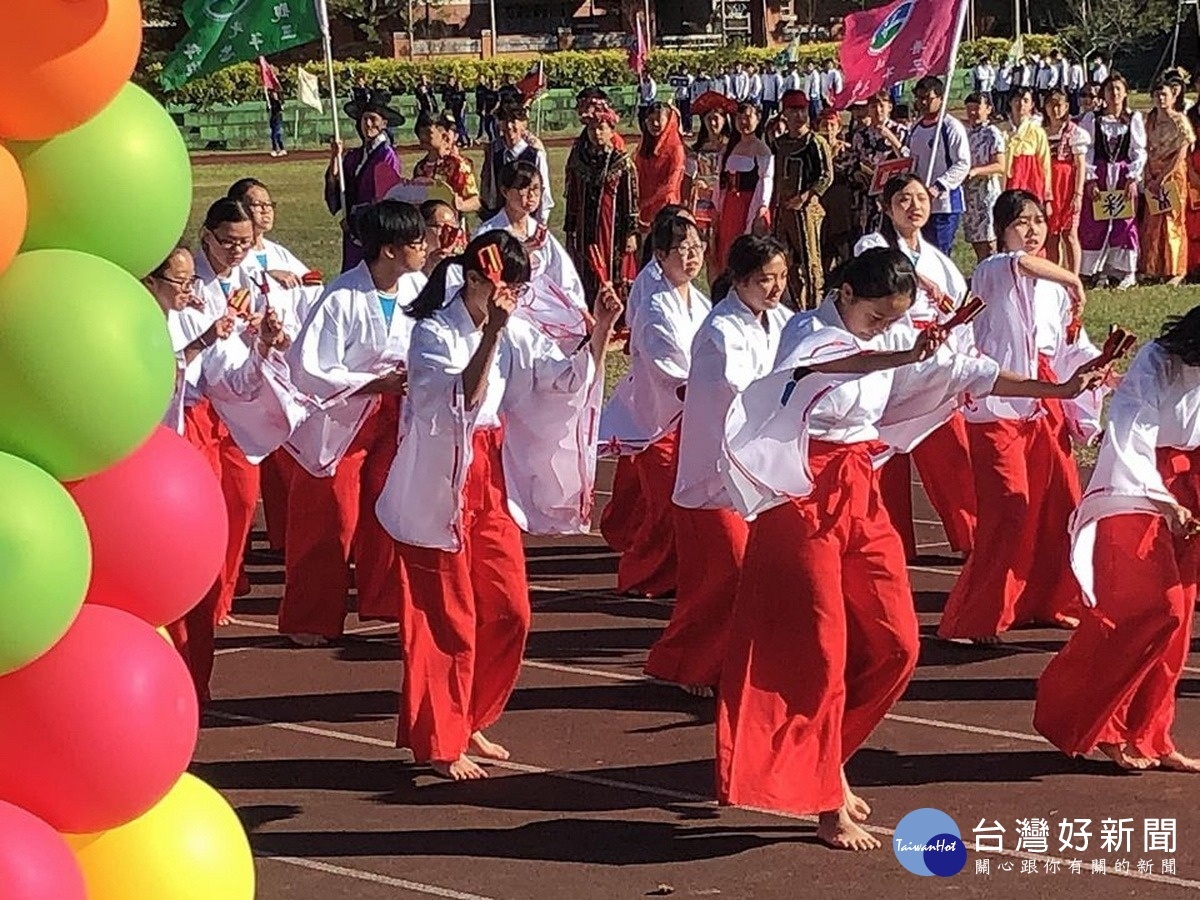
column 158, row 526
column 35, row 862
column 97, row 729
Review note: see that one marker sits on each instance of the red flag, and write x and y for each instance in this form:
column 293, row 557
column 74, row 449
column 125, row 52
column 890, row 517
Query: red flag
column 905, row 39
column 533, row 83
column 639, row 49
column 270, row 81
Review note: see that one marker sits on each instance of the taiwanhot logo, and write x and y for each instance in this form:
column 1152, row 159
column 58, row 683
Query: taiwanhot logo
column 928, row 842
column 890, row 27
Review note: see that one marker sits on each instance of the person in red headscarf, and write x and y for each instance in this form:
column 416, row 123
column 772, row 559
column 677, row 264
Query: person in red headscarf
column 659, row 163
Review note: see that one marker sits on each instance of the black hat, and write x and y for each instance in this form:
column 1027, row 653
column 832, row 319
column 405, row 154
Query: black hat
column 375, row 101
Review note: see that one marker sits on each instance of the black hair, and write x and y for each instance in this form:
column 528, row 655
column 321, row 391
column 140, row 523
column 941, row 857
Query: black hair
column 720, row 288
column 161, row 269
column 1180, row 337
column 931, row 84
column 591, row 93
column 515, row 270
column 901, row 112
column 430, row 207
column 977, row 97
column 388, row 222
column 444, row 120
column 749, row 253
column 669, row 231
column 735, row 136
column 878, row 272
column 1124, row 114
column 1008, row 208
column 894, row 185
column 1019, row 92
column 240, row 188
column 646, row 148
column 1052, row 93
column 225, row 211
column 1171, row 79
column 518, row 174
column 512, row 112
column 703, row 136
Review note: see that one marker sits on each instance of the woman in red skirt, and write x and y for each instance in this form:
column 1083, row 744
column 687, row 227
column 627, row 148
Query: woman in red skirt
column 743, row 197
column 1068, row 173
column 1113, row 686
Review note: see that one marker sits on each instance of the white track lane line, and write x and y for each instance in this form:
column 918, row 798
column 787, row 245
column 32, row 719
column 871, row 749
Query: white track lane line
column 416, row 887
column 667, row 793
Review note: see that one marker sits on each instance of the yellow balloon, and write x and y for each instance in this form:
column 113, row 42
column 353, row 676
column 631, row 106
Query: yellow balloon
column 190, row 846
column 165, row 635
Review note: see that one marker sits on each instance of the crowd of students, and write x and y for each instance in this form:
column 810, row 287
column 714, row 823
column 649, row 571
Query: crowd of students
column 444, row 395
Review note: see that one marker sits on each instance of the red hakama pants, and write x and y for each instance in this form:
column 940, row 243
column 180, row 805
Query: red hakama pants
column 1027, row 487
column 1114, row 682
column 647, row 568
column 276, row 472
column 709, row 545
column 239, row 484
column 624, row 510
column 465, row 619
column 944, row 461
column 193, row 635
column 823, row 643
column 331, row 521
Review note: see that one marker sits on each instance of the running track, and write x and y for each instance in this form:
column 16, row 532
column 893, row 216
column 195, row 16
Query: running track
column 608, row 793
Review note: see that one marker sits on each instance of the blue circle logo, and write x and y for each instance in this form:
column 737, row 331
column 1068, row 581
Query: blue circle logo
column 889, row 28
column 928, row 842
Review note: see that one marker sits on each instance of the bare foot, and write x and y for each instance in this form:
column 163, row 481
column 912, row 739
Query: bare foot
column 1175, row 282
column 461, row 769
column 1126, row 758
column 858, row 808
column 481, row 746
column 223, row 621
column 702, row 691
column 839, row 831
column 1177, row 762
column 1070, row 623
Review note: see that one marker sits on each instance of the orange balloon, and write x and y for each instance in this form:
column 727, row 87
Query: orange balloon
column 62, row 61
column 13, row 208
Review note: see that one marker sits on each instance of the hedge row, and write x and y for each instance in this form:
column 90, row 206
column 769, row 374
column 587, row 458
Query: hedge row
column 572, row 69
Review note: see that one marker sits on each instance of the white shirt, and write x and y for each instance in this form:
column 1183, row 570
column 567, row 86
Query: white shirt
column 763, row 190
column 645, row 404
column 1113, row 129
column 1075, row 79
column 831, row 83
column 647, row 91
column 1099, row 73
column 930, row 264
column 985, row 78
column 345, row 344
column 951, row 163
column 1003, row 78
column 795, row 81
column 813, row 84
column 1157, row 404
column 732, row 348
column 1047, row 76
column 555, row 303
column 548, row 403
column 756, row 87
column 274, row 257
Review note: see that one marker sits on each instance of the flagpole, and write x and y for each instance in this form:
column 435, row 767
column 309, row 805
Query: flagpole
column 327, row 40
column 937, row 133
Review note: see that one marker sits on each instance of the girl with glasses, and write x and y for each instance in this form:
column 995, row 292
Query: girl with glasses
column 554, row 301
column 274, row 259
column 498, row 440
column 641, row 419
column 350, row 355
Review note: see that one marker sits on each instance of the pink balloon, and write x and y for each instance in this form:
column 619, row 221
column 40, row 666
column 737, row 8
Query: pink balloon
column 35, row 863
column 97, row 729
column 158, row 526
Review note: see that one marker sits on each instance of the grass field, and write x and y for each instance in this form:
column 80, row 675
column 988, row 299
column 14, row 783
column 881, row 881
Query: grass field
column 306, row 228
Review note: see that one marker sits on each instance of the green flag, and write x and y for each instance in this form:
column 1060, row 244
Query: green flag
column 224, row 32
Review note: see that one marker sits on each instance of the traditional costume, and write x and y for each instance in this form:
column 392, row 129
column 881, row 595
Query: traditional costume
column 1164, row 233
column 1027, row 160
column 744, row 193
column 353, row 336
column 1026, row 482
column 1068, row 151
column 986, row 142
column 369, row 172
column 1116, row 158
column 464, row 484
column 641, row 420
column 702, row 170
column 454, row 170
column 802, row 165
column 1114, row 682
column 659, row 161
column 824, row 636
column 733, row 347
column 943, row 458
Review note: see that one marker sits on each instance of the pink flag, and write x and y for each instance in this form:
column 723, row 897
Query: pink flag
column 270, row 81
column 639, row 49
column 905, row 39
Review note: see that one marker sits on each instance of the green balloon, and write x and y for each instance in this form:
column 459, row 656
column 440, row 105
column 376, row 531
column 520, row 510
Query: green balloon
column 45, row 562
column 119, row 186
column 86, row 368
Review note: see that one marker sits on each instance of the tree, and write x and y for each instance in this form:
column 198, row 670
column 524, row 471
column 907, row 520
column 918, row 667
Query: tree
column 1112, row 27
column 369, row 15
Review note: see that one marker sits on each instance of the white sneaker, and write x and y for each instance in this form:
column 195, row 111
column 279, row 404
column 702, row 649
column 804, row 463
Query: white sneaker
column 1127, row 282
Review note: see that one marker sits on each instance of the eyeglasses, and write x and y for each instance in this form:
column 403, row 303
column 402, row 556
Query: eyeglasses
column 262, row 204
column 183, row 285
column 233, row 244
column 690, row 250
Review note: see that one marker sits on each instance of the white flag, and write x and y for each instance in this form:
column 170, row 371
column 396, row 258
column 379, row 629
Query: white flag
column 308, row 89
